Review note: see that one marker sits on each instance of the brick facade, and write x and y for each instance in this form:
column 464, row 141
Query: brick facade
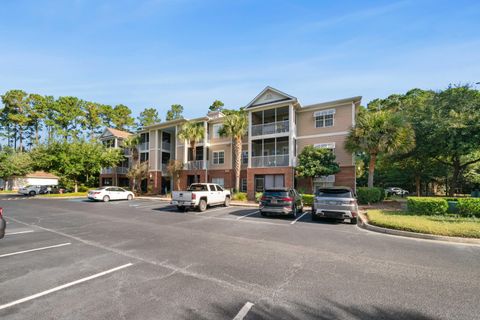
column 345, row 178
column 251, row 172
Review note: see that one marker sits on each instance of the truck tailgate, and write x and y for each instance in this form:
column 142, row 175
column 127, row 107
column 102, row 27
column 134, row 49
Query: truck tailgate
column 183, row 196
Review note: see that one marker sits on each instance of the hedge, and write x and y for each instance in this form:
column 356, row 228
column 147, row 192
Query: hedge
column 469, row 206
column 427, row 206
column 308, row 199
column 370, row 195
column 239, row 196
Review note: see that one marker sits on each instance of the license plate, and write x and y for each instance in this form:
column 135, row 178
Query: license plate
column 333, row 202
column 273, row 201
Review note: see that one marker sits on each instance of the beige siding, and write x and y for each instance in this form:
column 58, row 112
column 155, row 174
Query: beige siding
column 342, row 121
column 211, row 137
column 227, row 148
column 344, row 158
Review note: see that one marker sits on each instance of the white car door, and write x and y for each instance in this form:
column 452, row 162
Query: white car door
column 220, row 195
column 122, row 194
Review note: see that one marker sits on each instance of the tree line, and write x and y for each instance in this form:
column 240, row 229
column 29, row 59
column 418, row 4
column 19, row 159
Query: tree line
column 420, row 140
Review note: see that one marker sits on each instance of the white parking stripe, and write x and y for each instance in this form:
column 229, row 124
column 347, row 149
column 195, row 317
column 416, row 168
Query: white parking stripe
column 243, row 312
column 293, row 222
column 36, row 249
column 64, row 286
column 249, row 214
column 210, row 210
column 19, row 232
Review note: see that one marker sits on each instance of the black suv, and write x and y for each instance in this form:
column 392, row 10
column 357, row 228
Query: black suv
column 284, row 201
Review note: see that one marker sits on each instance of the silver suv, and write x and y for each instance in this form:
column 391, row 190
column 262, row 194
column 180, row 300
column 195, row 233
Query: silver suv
column 335, row 203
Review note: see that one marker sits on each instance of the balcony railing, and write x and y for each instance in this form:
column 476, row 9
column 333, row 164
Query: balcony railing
column 270, row 128
column 143, row 146
column 271, row 161
column 194, row 165
column 117, row 170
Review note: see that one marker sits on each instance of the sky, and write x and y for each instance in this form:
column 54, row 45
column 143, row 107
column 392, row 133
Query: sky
column 155, row 53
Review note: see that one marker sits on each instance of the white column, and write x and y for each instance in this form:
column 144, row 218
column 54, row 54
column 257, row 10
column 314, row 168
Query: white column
column 291, row 135
column 205, row 124
column 159, row 152
column 249, row 139
column 185, row 151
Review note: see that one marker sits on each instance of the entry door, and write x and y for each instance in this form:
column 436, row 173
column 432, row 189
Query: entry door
column 259, row 184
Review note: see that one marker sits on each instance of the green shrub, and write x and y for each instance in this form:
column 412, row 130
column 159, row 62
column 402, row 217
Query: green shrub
column 469, row 207
column 308, row 199
column 427, row 205
column 370, row 195
column 239, row 196
column 83, row 189
column 258, row 195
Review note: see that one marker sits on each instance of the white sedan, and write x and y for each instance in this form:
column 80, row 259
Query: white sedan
column 106, row 194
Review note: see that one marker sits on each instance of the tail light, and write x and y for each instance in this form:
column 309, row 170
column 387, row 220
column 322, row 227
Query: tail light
column 287, row 199
column 354, row 214
column 194, row 196
column 1, row 213
column 263, row 198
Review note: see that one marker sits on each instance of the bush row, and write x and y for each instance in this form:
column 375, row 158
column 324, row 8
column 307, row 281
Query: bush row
column 433, row 206
column 370, row 195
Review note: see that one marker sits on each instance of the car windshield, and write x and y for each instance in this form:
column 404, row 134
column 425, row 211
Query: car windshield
column 275, row 193
column 198, row 187
column 334, row 193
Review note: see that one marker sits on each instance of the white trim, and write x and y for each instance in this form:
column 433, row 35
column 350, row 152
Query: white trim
column 339, row 133
column 330, row 104
column 271, row 89
column 324, row 112
column 325, row 145
column 221, row 143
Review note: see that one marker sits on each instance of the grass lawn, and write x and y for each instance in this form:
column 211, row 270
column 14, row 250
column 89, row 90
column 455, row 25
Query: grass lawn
column 448, row 225
column 62, row 195
column 7, row 192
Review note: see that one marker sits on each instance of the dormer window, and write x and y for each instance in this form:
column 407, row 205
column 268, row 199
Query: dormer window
column 324, row 118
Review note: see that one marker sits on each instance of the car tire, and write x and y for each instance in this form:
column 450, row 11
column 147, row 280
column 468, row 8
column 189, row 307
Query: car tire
column 227, row 202
column 353, row 221
column 202, row 205
column 129, row 197
column 314, row 217
column 181, row 208
column 32, row 193
column 263, row 214
column 294, row 212
column 106, row 199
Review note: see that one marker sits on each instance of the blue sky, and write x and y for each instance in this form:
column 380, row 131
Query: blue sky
column 155, row 53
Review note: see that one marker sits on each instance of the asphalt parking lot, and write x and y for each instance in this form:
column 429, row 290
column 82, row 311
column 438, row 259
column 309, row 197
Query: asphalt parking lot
column 143, row 259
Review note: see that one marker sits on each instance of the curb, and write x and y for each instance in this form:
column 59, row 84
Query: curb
column 232, row 203
column 363, row 223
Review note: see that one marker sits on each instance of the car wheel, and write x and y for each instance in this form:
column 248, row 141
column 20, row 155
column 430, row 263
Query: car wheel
column 353, row 221
column 129, row 197
column 202, row 206
column 314, row 217
column 32, row 193
column 294, row 212
column 181, row 208
column 301, row 209
column 106, row 198
column 263, row 214
column 227, row 202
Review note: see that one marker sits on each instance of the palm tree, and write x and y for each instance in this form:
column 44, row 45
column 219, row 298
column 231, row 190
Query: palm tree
column 192, row 132
column 131, row 144
column 235, row 125
column 378, row 132
column 175, row 169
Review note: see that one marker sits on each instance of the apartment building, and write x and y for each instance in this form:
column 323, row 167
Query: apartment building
column 115, row 176
column 279, row 128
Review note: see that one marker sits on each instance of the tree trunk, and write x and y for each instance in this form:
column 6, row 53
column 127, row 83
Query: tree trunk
column 371, row 169
column 237, row 161
column 455, row 176
column 194, row 158
column 311, row 185
column 417, row 185
column 20, row 139
column 76, row 185
column 36, row 134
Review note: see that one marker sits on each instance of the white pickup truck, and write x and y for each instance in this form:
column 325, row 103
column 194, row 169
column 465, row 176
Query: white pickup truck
column 201, row 195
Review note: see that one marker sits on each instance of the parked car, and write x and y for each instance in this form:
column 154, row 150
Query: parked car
column 200, row 196
column 396, row 191
column 106, row 194
column 3, row 224
column 282, row 201
column 335, row 202
column 30, row 190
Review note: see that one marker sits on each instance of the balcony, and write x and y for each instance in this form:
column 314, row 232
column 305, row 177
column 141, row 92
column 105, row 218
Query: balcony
column 270, row 128
column 194, row 165
column 117, row 170
column 143, row 146
column 270, row 161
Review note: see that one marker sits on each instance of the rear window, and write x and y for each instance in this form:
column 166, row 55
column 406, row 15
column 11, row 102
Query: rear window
column 198, row 187
column 275, row 193
column 334, row 193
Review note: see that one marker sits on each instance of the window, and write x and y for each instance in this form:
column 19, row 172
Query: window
column 216, row 130
column 243, row 185
column 219, row 181
column 330, row 146
column 244, row 157
column 218, row 157
column 143, row 156
column 324, row 118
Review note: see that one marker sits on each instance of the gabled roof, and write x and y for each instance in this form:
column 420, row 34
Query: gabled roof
column 270, row 95
column 116, row 133
column 41, row 174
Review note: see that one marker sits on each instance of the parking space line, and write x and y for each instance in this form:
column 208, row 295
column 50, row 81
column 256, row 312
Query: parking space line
column 36, row 249
column 249, row 214
column 294, row 221
column 64, row 286
column 211, row 210
column 19, row 232
column 243, row 312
